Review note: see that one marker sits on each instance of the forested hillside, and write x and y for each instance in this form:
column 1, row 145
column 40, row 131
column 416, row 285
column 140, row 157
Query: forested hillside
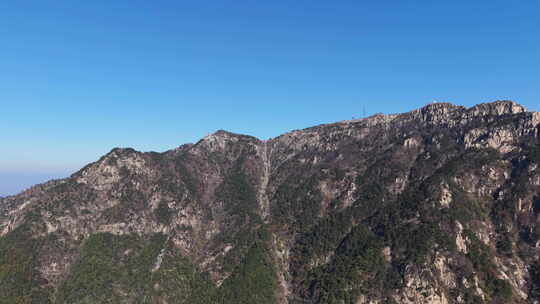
column 437, row 205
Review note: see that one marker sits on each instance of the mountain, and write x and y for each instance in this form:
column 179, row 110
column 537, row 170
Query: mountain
column 437, row 205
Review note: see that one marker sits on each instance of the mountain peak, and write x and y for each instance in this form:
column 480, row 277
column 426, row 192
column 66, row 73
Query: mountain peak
column 439, row 105
column 221, row 137
column 220, row 140
column 437, row 112
column 226, row 134
column 499, row 107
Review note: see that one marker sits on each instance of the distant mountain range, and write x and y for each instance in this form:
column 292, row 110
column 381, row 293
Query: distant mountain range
column 437, row 205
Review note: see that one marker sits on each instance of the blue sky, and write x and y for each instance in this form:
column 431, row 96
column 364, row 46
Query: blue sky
column 79, row 78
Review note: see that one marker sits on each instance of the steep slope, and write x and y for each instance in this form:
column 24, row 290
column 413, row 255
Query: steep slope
column 437, row 205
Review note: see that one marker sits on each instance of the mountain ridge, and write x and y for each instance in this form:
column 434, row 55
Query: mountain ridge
column 436, row 205
column 500, row 106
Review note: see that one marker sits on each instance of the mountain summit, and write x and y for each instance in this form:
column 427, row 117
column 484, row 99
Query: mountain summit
column 437, row 205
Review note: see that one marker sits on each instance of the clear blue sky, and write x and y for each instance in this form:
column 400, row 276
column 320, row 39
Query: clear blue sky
column 78, row 78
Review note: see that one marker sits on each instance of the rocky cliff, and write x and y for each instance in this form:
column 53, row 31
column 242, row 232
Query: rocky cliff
column 437, row 205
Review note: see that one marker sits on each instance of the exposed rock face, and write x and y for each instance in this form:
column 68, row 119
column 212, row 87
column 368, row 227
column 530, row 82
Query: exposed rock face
column 438, row 205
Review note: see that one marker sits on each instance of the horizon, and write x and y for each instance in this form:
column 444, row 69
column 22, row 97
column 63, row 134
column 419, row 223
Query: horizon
column 79, row 80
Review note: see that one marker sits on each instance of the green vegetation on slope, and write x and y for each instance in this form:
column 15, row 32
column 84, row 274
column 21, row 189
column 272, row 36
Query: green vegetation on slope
column 20, row 282
column 253, row 281
column 356, row 268
column 115, row 269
